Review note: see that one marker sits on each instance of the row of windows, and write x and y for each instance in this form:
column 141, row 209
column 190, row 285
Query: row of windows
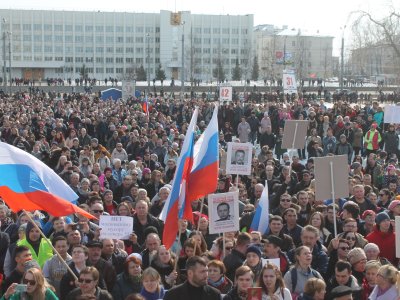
column 79, row 49
column 86, row 28
column 118, row 28
column 110, row 60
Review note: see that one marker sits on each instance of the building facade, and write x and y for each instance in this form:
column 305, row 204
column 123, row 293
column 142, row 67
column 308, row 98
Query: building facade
column 310, row 55
column 59, row 44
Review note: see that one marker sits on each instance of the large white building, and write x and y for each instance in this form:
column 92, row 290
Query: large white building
column 309, row 54
column 114, row 44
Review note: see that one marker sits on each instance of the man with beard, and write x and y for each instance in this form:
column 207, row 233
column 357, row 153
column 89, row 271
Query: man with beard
column 195, row 287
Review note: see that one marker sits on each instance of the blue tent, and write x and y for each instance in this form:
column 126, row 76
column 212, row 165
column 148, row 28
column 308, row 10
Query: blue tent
column 111, row 93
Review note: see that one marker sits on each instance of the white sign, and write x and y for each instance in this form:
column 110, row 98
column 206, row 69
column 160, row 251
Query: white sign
column 289, row 82
column 128, row 89
column 392, row 114
column 223, row 212
column 225, row 93
column 238, row 160
column 115, row 227
column 272, row 261
column 397, row 230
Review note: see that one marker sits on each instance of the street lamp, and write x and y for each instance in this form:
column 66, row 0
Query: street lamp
column 342, row 61
column 4, row 55
column 148, row 60
column 183, row 60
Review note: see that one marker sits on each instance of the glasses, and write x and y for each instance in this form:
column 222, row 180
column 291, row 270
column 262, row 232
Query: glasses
column 98, row 211
column 351, row 238
column 134, row 174
column 30, row 282
column 382, row 194
column 80, row 280
column 228, row 248
column 285, row 200
column 247, row 211
column 344, row 248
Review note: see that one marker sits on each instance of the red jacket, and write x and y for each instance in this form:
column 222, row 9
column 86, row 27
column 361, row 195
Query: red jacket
column 386, row 243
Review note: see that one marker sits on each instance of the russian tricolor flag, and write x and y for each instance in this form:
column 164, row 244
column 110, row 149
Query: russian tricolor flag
column 145, row 106
column 261, row 217
column 204, row 174
column 175, row 207
column 27, row 183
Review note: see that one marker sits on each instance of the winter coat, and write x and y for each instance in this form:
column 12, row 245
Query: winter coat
column 384, row 240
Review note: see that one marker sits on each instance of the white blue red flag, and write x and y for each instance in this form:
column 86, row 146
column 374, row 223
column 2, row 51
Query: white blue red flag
column 261, row 217
column 27, row 183
column 204, row 174
column 175, row 207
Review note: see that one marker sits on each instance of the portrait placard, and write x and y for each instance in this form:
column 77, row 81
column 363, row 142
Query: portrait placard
column 223, row 212
column 323, row 179
column 239, row 158
column 115, row 227
column 294, row 134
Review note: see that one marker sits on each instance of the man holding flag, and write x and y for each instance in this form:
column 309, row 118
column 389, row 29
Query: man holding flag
column 261, row 217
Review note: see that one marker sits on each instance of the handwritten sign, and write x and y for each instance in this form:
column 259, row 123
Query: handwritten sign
column 115, row 227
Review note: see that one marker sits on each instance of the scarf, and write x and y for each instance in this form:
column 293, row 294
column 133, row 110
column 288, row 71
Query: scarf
column 217, row 283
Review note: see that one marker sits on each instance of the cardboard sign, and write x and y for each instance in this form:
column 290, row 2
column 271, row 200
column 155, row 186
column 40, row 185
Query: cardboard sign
column 223, row 212
column 239, row 157
column 397, row 230
column 225, row 93
column 294, row 134
column 115, row 227
column 392, row 114
column 289, row 82
column 272, row 261
column 323, row 178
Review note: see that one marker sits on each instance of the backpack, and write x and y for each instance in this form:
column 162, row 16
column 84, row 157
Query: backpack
column 293, row 276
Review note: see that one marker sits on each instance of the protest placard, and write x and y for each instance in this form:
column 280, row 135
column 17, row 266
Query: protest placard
column 294, row 134
column 239, row 158
column 223, row 212
column 115, row 227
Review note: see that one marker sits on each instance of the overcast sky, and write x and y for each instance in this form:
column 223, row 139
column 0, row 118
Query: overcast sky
column 325, row 16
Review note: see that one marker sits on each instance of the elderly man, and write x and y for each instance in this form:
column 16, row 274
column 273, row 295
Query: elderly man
column 143, row 219
column 159, row 201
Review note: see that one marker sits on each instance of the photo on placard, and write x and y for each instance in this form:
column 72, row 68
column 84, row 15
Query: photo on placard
column 223, row 212
column 239, row 157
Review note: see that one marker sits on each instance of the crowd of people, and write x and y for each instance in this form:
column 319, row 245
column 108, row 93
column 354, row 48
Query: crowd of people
column 121, row 161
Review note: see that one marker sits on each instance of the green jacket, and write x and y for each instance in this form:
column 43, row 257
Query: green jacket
column 48, row 296
column 45, row 251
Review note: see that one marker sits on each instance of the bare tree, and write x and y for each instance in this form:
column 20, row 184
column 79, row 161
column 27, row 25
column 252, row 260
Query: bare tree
column 377, row 36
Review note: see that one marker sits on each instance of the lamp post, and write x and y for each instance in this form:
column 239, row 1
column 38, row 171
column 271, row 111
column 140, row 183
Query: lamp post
column 4, row 55
column 183, row 60
column 342, row 61
column 148, row 60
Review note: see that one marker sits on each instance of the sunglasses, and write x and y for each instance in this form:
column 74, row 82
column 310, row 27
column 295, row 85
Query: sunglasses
column 228, row 248
column 344, row 248
column 30, row 282
column 247, row 211
column 351, row 238
column 98, row 211
column 286, row 200
column 80, row 280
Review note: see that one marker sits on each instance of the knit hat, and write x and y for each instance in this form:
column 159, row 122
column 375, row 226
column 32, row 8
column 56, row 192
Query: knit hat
column 94, row 140
column 254, row 249
column 368, row 213
column 355, row 255
column 382, row 216
column 371, row 246
column 393, row 204
column 146, row 171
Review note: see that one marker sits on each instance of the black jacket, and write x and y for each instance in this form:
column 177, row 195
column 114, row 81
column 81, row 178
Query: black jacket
column 187, row 291
column 233, row 261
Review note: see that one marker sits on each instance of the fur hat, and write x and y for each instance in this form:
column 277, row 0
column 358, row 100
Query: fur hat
column 355, row 255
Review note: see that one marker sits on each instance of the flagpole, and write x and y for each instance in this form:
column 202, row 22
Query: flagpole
column 223, row 243
column 49, row 242
column 177, row 249
column 198, row 222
